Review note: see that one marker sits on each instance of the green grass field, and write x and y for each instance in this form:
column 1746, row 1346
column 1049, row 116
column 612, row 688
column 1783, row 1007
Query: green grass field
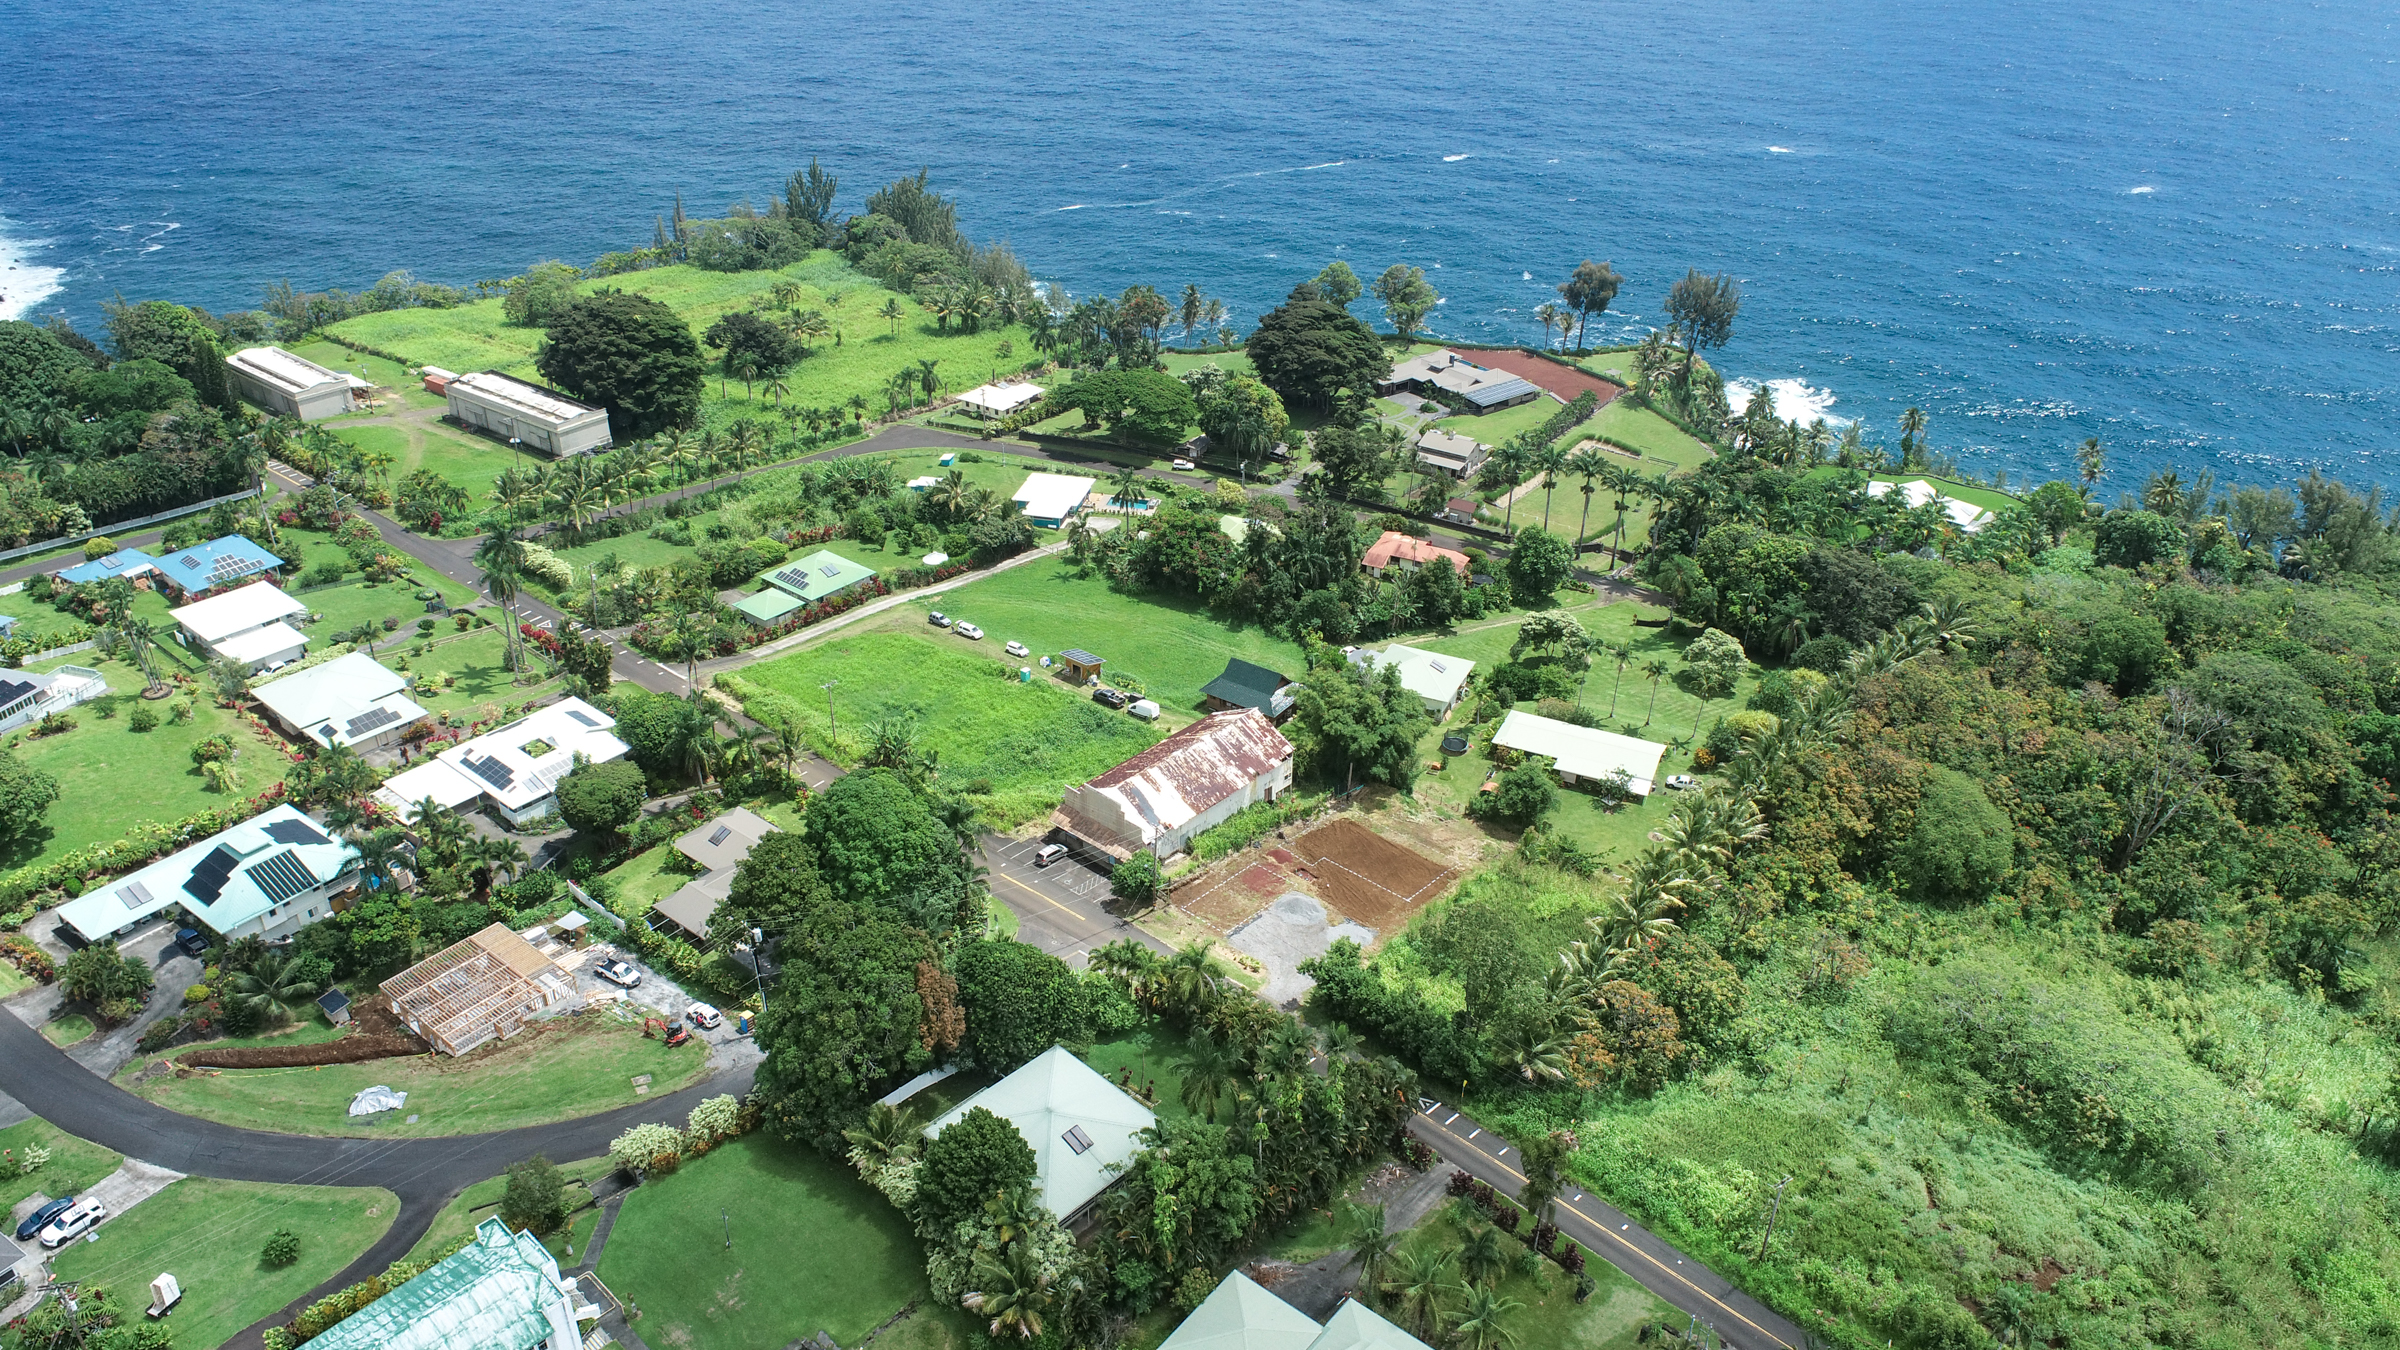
column 482, row 1201
column 1030, row 740
column 1494, row 427
column 67, row 1029
column 396, row 387
column 472, row 462
column 871, row 349
column 1173, row 647
column 553, row 1071
column 1156, row 1057
column 1664, row 445
column 208, row 1234
column 74, row 1163
column 813, row 1248
column 111, row 776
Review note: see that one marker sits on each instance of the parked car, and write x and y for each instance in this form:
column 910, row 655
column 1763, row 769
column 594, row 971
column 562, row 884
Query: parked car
column 619, row 973
column 73, row 1222
column 40, row 1218
column 1109, row 698
column 1042, row 857
column 704, row 1017
column 969, row 631
column 1183, row 464
column 191, row 941
column 1144, row 709
column 1016, row 649
column 938, row 619
column 1679, row 781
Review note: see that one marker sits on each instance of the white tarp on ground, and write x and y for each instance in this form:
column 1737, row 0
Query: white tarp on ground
column 377, row 1098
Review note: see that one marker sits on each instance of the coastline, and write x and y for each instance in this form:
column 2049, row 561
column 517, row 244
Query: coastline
column 24, row 283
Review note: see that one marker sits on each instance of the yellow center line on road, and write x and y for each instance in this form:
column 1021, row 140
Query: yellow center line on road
column 1003, row 876
column 1618, row 1238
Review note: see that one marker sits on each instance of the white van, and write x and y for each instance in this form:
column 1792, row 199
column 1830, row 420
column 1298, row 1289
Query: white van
column 704, row 1017
column 74, row 1223
column 1143, row 708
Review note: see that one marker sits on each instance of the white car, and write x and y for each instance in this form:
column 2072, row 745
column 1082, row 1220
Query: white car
column 1143, row 708
column 74, row 1223
column 1016, row 649
column 1183, row 464
column 704, row 1017
column 1678, row 782
column 619, row 973
column 969, row 631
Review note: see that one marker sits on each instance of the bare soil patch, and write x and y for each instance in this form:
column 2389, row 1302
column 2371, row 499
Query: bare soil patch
column 1369, row 878
column 1564, row 381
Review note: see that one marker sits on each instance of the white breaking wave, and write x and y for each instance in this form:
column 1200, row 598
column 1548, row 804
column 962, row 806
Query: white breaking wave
column 1453, row 159
column 1795, row 400
column 1779, row 150
column 24, row 283
column 2143, row 190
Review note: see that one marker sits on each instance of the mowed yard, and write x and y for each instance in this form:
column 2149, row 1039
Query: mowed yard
column 554, row 1070
column 1025, row 742
column 813, row 1248
column 209, row 1234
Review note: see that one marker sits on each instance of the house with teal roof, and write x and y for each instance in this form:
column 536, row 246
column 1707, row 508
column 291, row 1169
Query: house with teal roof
column 501, row 1291
column 1240, row 1315
column 796, row 585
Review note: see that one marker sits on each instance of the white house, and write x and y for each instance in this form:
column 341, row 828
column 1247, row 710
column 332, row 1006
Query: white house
column 1583, row 753
column 247, row 624
column 1080, row 1126
column 514, row 769
column 544, row 420
column 1159, row 799
column 988, row 401
column 289, row 385
column 28, row 697
column 1431, row 676
column 351, row 700
column 1453, row 454
column 1241, row 1315
column 500, row 1292
column 1051, row 499
column 270, row 876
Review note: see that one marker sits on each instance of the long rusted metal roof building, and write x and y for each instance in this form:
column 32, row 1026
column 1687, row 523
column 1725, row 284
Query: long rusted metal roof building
column 1160, row 798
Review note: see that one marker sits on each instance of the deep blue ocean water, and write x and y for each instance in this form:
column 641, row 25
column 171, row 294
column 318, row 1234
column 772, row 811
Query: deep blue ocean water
column 2176, row 227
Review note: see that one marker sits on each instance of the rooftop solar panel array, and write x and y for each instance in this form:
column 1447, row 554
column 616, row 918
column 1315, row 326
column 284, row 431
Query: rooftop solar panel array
column 585, row 718
column 492, row 771
column 281, row 876
column 722, row 833
column 370, row 720
column 1077, row 1140
column 207, row 881
column 296, row 832
column 133, row 895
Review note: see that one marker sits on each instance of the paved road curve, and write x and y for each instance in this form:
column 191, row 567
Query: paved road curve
column 1605, row 1232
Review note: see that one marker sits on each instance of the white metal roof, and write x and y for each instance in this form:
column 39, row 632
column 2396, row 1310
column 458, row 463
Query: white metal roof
column 1005, row 397
column 526, row 400
column 221, row 616
column 260, row 643
column 1916, row 492
column 1432, row 675
column 1586, row 752
column 1046, row 1099
column 1053, row 496
column 337, row 690
column 285, row 371
column 515, row 765
column 447, row 786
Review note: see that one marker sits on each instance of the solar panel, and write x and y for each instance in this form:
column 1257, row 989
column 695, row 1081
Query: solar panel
column 189, row 560
column 586, row 718
column 12, row 690
column 794, row 578
column 492, row 771
column 233, row 565
column 723, row 833
column 296, row 832
column 207, row 881
column 133, row 895
column 281, row 876
column 371, row 719
column 830, row 570
column 1077, row 1140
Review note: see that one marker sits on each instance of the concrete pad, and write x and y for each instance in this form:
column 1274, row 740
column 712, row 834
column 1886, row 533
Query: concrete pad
column 1291, row 930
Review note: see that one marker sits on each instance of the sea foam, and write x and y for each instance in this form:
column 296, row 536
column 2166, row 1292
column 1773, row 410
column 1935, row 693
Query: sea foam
column 23, row 282
column 1795, row 400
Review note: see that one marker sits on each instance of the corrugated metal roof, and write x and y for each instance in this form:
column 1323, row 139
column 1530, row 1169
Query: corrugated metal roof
column 1046, row 1099
column 1172, row 782
column 496, row 1293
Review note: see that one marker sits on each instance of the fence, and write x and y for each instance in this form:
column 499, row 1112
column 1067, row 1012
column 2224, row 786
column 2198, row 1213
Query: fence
column 176, row 514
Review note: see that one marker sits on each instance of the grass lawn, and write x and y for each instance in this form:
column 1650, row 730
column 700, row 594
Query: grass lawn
column 870, row 351
column 552, row 1071
column 1663, row 444
column 813, row 1248
column 13, row 981
column 74, row 1163
column 1157, row 1057
column 477, row 657
column 209, row 1233
column 1494, row 427
column 1172, row 646
column 1990, row 499
column 389, row 376
column 642, row 881
column 111, row 776
column 472, row 462
column 347, row 604
column 1029, row 740
column 1612, row 1317
column 67, row 1029
column 482, row 1201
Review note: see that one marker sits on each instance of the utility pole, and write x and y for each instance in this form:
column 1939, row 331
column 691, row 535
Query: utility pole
column 1772, row 1212
column 758, row 966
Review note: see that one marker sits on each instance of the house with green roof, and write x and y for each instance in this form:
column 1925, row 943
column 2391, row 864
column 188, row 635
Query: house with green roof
column 795, row 585
column 501, row 1291
column 1240, row 1315
column 1081, row 1127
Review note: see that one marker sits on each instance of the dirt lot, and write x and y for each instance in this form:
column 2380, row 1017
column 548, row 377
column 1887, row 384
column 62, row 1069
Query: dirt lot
column 1368, row 878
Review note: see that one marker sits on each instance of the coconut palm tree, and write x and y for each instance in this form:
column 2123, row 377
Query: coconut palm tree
column 930, row 382
column 1191, row 980
column 488, row 858
column 858, row 407
column 1509, row 460
column 1370, row 1242
column 1418, row 1281
column 1552, row 461
column 1012, row 1290
column 1477, row 1323
column 500, row 558
column 892, row 313
column 888, row 1132
column 806, row 326
column 273, row 987
column 1482, row 1260
column 1215, row 1071
column 778, row 388
column 1588, row 464
column 1654, row 671
column 747, row 368
column 1622, row 654
column 1128, row 483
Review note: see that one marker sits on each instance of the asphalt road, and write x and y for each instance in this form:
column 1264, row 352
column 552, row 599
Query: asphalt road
column 1740, row 1320
column 1062, row 908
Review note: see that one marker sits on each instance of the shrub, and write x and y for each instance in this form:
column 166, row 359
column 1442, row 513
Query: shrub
column 144, row 718
column 647, row 1147
column 282, row 1249
column 97, row 547
column 536, row 1198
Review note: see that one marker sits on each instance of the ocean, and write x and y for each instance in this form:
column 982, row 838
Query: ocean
column 2174, row 227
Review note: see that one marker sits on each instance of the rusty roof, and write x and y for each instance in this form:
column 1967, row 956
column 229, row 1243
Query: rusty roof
column 1187, row 773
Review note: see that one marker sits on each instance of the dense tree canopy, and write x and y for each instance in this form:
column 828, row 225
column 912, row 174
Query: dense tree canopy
column 630, row 354
column 878, row 844
column 1308, row 350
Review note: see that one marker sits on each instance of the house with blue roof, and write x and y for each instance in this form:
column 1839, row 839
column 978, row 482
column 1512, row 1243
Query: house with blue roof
column 219, row 562
column 125, row 562
column 270, row 876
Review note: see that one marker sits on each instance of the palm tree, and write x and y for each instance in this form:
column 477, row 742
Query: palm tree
column 858, row 407
column 1482, row 1260
column 379, row 856
column 490, row 857
column 1369, row 1241
column 1013, row 1290
column 1552, row 461
column 1511, row 458
column 1912, row 433
column 747, row 368
column 1588, row 464
column 887, row 1132
column 1191, row 980
column 808, row 324
column 892, row 313
column 273, row 987
column 778, row 388
column 1214, row 1071
column 1476, row 1324
column 501, row 560
column 2090, row 464
column 1656, row 671
column 1547, row 315
column 1417, row 1281
column 1128, row 481
column 1622, row 654
column 139, row 635
column 927, row 379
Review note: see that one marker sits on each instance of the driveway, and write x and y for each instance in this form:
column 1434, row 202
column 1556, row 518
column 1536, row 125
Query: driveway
column 1062, row 908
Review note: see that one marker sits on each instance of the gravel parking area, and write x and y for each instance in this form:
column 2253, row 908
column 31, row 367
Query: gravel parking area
column 1286, row 933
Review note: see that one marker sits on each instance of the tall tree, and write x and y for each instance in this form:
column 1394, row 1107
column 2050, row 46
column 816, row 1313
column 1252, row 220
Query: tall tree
column 809, row 195
column 1338, row 284
column 1588, row 292
column 632, row 355
column 1407, row 297
column 1702, row 308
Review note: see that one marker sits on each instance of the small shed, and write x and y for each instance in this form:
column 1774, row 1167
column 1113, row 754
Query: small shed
column 335, row 1005
column 1080, row 665
column 570, row 926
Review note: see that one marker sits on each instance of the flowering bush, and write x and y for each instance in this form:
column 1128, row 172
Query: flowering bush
column 648, row 1147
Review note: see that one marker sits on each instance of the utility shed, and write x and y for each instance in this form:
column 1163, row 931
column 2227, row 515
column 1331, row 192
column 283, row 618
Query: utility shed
column 479, row 988
column 501, row 1291
column 287, row 384
column 1159, row 799
column 1245, row 685
column 543, row 420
